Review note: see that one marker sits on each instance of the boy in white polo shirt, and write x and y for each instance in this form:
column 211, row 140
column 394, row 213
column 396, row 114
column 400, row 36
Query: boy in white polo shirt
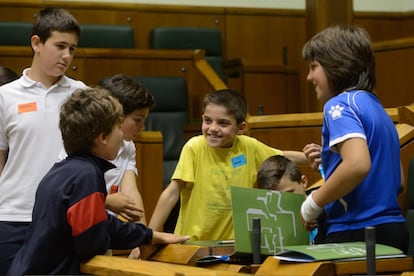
column 29, row 124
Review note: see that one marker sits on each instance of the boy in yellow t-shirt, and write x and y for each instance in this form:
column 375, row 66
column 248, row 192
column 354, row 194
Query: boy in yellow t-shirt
column 209, row 164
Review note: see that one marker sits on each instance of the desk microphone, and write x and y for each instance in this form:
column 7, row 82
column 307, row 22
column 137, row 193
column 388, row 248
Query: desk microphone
column 370, row 249
column 256, row 233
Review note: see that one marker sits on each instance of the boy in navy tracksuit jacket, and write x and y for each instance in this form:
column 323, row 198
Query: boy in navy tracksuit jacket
column 70, row 223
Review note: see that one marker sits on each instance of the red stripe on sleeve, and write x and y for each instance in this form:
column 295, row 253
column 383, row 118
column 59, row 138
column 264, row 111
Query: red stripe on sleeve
column 86, row 213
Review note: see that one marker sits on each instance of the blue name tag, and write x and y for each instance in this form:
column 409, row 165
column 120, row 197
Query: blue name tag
column 238, row 161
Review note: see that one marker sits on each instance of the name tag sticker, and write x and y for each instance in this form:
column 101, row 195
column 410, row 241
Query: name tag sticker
column 238, row 161
column 27, row 107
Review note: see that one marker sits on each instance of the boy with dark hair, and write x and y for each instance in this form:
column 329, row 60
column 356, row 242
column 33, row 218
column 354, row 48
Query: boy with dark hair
column 279, row 173
column 29, row 124
column 70, row 224
column 136, row 101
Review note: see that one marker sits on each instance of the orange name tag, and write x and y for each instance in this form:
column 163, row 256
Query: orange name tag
column 27, row 107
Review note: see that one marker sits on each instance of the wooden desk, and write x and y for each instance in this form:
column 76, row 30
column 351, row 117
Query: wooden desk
column 393, row 265
column 111, row 265
column 273, row 267
column 180, row 258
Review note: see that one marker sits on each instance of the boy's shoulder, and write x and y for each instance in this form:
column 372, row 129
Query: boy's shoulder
column 68, row 81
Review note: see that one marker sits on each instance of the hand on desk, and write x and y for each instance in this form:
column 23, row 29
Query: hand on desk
column 158, row 238
column 135, row 254
column 166, row 238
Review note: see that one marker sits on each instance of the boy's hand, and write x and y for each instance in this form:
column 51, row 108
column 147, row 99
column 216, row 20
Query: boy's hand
column 123, row 205
column 159, row 239
column 313, row 154
column 135, row 253
column 166, row 238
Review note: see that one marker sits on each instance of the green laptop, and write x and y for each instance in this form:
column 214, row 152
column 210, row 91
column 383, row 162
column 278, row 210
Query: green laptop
column 280, row 220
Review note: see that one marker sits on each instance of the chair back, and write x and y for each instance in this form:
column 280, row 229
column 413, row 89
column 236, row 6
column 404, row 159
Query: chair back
column 208, row 39
column 106, row 36
column 169, row 116
column 15, row 33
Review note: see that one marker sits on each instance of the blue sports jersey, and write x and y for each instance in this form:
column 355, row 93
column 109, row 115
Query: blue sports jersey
column 354, row 114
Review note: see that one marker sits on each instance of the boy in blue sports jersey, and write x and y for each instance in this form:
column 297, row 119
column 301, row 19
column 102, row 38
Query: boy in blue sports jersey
column 360, row 151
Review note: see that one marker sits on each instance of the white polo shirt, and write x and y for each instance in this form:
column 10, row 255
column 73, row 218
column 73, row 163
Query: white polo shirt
column 29, row 128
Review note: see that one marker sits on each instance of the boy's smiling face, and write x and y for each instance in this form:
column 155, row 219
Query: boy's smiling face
column 219, row 127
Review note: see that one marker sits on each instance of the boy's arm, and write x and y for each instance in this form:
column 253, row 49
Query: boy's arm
column 165, row 204
column 129, row 187
column 296, row 156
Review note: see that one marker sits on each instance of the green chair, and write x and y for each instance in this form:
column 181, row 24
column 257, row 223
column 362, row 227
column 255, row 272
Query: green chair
column 169, row 116
column 15, row 33
column 106, row 36
column 410, row 206
column 208, row 39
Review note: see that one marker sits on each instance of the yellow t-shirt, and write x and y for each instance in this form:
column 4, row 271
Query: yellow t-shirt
column 205, row 212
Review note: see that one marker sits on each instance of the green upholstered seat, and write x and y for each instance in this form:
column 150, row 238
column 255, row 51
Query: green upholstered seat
column 169, row 116
column 208, row 39
column 410, row 206
column 106, row 36
column 15, row 33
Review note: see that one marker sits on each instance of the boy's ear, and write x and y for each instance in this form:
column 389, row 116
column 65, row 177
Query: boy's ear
column 101, row 139
column 35, row 41
column 242, row 128
column 304, row 181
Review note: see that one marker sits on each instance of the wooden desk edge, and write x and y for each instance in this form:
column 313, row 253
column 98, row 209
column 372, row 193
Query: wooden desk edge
column 382, row 265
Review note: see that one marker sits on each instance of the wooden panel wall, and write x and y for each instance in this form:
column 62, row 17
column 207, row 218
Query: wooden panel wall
column 386, row 26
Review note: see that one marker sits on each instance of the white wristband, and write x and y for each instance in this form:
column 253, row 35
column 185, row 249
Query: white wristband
column 310, row 210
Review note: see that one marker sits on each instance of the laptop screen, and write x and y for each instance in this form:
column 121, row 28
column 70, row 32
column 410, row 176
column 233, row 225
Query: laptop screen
column 279, row 214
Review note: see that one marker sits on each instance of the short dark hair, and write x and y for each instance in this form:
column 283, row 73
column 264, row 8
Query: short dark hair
column 346, row 55
column 54, row 19
column 272, row 170
column 85, row 115
column 233, row 101
column 130, row 92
